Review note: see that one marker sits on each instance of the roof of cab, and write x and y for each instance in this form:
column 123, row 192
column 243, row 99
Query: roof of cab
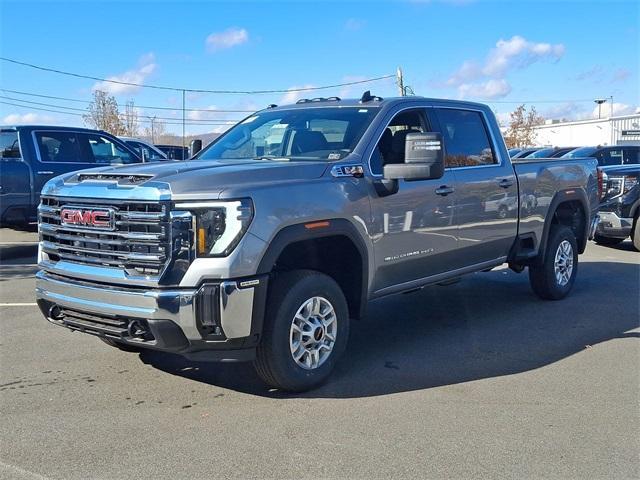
column 375, row 102
column 48, row 127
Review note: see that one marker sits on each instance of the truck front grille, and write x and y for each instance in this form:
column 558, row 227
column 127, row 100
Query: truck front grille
column 139, row 242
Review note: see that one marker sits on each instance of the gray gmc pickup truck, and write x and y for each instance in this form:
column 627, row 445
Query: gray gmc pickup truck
column 267, row 246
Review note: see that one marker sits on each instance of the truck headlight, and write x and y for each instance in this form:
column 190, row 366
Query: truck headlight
column 220, row 225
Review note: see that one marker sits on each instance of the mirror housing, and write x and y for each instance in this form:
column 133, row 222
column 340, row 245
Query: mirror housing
column 195, row 147
column 424, row 158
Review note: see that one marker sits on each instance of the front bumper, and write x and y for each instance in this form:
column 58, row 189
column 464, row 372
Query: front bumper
column 217, row 321
column 611, row 225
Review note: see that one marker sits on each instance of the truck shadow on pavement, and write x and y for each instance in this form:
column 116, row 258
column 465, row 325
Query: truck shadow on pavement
column 488, row 325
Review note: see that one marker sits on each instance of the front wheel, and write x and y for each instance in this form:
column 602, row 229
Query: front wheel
column 553, row 277
column 305, row 333
column 635, row 233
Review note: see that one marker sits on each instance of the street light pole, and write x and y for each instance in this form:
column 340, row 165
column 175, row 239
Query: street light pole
column 599, row 102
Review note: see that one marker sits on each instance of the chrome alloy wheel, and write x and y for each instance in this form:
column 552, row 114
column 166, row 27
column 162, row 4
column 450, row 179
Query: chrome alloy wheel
column 313, row 333
column 563, row 264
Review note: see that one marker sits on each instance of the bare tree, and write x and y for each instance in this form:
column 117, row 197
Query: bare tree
column 521, row 132
column 102, row 114
column 130, row 119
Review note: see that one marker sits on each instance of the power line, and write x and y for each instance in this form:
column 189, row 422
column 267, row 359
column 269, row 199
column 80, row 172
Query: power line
column 77, row 100
column 192, row 90
column 144, row 119
column 233, row 120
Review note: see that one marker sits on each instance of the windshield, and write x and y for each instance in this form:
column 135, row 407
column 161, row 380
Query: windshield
column 9, row 146
column 580, row 152
column 325, row 133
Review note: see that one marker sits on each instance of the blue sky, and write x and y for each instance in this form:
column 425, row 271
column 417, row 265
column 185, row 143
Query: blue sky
column 558, row 56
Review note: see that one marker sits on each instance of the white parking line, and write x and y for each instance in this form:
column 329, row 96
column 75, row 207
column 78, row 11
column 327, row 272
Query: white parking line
column 18, row 304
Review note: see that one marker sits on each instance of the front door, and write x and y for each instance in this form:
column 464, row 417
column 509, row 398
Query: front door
column 413, row 230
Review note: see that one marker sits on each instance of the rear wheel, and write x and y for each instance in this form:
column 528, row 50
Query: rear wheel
column 125, row 347
column 635, row 234
column 553, row 278
column 305, row 332
column 607, row 240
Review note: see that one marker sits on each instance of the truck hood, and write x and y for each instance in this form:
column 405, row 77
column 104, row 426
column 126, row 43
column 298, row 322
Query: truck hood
column 182, row 179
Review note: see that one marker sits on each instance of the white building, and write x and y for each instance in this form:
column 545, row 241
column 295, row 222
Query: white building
column 624, row 130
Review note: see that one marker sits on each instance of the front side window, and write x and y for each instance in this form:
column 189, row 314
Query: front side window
column 391, row 146
column 466, row 139
column 314, row 133
column 104, row 151
column 144, row 150
column 62, row 147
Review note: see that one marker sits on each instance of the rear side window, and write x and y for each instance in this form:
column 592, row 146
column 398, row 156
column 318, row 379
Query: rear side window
column 105, row 151
column 9, row 145
column 62, row 147
column 466, row 139
column 609, row 156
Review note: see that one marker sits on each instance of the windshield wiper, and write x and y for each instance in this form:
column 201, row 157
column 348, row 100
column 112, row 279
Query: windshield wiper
column 273, row 158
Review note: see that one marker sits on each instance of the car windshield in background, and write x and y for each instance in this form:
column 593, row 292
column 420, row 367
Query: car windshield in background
column 9, row 147
column 580, row 152
column 317, row 133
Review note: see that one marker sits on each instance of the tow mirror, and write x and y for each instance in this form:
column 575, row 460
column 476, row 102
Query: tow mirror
column 424, row 158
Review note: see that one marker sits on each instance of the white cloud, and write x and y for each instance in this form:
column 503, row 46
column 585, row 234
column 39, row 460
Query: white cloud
column 490, row 89
column 618, row 109
column 231, row 37
column 518, row 53
column 26, row 118
column 146, row 66
column 488, row 79
column 354, row 24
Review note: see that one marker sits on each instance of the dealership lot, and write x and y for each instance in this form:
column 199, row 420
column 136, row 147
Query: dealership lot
column 478, row 379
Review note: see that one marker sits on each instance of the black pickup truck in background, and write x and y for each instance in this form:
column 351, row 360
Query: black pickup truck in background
column 620, row 206
column 32, row 155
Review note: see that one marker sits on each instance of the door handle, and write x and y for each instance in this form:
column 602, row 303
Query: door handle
column 505, row 182
column 444, row 190
column 44, row 172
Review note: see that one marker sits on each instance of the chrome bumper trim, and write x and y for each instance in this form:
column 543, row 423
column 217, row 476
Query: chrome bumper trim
column 177, row 305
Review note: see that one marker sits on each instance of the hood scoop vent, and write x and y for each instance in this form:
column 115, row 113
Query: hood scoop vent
column 122, row 179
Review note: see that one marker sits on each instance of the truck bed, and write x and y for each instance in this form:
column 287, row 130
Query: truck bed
column 542, row 180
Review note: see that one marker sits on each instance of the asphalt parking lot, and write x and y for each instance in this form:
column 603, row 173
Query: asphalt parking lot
column 476, row 380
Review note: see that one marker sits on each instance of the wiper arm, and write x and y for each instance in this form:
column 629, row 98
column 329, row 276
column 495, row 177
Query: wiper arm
column 273, row 158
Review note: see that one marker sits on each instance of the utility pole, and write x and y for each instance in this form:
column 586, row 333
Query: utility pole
column 153, row 133
column 400, row 82
column 611, row 106
column 183, row 109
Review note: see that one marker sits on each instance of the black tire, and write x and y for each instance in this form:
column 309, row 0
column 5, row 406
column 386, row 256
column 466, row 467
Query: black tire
column 288, row 292
column 609, row 241
column 635, row 233
column 121, row 346
column 542, row 275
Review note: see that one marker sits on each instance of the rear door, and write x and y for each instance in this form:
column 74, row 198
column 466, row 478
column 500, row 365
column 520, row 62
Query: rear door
column 486, row 206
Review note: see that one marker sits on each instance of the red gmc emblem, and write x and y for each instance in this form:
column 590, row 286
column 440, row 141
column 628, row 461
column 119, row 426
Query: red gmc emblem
column 99, row 218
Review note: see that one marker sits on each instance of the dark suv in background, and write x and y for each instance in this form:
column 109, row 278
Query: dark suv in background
column 31, row 155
